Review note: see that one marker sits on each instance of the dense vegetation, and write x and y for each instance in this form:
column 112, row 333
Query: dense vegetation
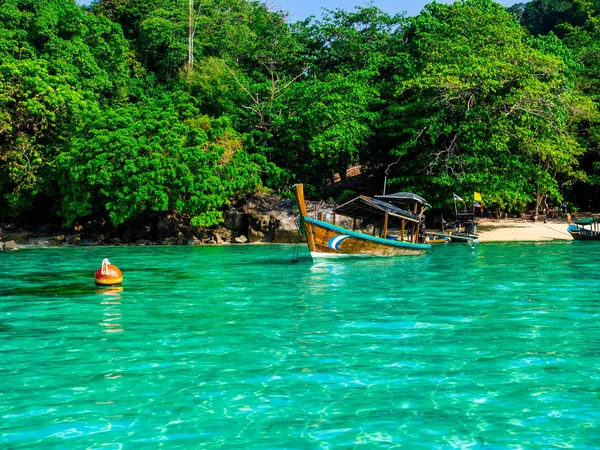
column 105, row 113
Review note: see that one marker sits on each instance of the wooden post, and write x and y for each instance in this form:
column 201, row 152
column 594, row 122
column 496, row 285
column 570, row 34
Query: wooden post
column 418, row 226
column 321, row 216
column 414, row 225
column 402, row 230
column 334, row 215
column 353, row 224
column 385, row 226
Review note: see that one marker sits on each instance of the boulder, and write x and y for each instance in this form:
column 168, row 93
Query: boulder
column 170, row 241
column 167, row 226
column 223, row 233
column 234, row 221
column 10, row 246
column 240, row 239
column 262, row 227
column 1, row 246
column 287, row 231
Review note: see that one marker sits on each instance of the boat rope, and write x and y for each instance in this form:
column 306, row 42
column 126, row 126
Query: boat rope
column 297, row 245
column 561, row 232
column 105, row 272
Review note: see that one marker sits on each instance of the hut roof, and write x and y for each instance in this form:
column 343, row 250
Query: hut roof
column 404, row 197
column 363, row 207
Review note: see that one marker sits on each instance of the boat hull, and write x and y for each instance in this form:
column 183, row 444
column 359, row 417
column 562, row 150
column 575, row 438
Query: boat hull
column 333, row 241
column 585, row 237
column 583, row 234
column 464, row 239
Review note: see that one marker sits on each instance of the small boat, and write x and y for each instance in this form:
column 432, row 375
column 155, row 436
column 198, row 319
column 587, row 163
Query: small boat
column 585, row 229
column 330, row 240
column 437, row 238
column 464, row 229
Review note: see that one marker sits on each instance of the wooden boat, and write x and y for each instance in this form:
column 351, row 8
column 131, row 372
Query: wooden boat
column 416, row 203
column 585, row 229
column 437, row 238
column 330, row 240
column 464, row 229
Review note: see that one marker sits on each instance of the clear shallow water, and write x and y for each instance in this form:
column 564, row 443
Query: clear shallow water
column 235, row 347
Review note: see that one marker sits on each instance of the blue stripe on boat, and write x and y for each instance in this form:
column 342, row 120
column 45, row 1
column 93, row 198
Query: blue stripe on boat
column 367, row 237
column 335, row 242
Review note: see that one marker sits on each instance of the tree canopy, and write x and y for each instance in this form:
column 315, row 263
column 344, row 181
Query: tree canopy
column 130, row 108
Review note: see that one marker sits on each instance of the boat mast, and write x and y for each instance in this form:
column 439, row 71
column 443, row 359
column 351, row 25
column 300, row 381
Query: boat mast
column 304, row 213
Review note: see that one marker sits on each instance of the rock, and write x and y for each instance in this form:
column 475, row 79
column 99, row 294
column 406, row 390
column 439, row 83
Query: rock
column 240, row 239
column 39, row 241
column 75, row 240
column 262, row 227
column 167, row 226
column 170, row 241
column 218, row 238
column 10, row 246
column 223, row 233
column 287, row 231
column 235, row 221
column 194, row 241
column 255, row 236
column 1, row 246
column 143, row 242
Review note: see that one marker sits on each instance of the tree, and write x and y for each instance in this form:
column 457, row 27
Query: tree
column 154, row 156
column 57, row 63
column 481, row 106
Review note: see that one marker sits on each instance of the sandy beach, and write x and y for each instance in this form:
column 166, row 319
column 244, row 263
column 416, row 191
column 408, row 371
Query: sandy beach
column 491, row 230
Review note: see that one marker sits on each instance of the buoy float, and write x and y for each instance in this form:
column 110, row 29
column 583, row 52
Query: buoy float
column 108, row 275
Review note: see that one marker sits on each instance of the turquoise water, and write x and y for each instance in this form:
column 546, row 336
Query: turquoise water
column 235, row 347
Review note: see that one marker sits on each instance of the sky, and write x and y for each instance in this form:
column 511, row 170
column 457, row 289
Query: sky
column 301, row 9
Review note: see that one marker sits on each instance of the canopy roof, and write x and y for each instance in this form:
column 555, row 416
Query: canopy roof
column 404, row 197
column 373, row 209
column 462, row 216
column 587, row 221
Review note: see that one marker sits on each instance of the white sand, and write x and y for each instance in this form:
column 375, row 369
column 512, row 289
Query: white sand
column 522, row 230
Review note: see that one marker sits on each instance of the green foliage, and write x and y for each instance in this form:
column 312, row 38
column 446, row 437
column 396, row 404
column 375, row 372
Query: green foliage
column 101, row 112
column 154, row 156
column 484, row 107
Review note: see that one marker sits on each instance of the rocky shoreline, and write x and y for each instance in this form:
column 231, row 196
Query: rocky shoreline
column 259, row 220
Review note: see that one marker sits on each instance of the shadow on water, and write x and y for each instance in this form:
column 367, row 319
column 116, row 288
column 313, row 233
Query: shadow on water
column 4, row 327
column 66, row 290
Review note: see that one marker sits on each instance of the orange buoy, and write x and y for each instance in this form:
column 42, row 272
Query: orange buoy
column 108, row 275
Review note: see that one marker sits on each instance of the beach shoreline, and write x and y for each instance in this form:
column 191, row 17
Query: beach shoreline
column 489, row 230
column 519, row 230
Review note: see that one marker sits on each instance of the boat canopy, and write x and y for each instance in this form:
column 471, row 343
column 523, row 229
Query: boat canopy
column 372, row 209
column 404, row 197
column 587, row 221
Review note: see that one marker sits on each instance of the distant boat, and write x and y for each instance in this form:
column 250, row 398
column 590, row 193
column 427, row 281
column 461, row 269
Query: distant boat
column 437, row 238
column 464, row 229
column 585, row 229
column 327, row 240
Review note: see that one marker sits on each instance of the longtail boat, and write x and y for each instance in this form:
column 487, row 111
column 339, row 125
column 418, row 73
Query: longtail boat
column 464, row 229
column 585, row 229
column 327, row 240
